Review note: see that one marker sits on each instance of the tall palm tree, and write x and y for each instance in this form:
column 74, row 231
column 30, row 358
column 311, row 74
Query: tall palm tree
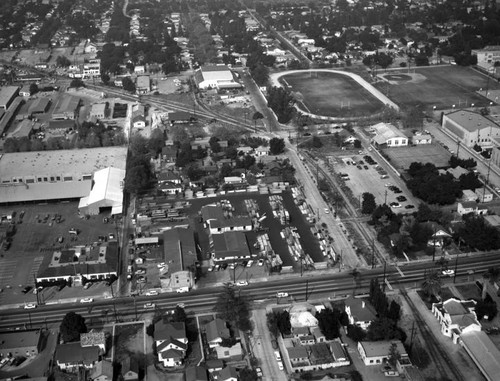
column 432, row 284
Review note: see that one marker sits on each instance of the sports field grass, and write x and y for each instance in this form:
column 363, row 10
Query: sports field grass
column 443, row 87
column 331, row 94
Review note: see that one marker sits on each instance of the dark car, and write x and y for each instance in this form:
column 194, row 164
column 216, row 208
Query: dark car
column 365, row 166
column 224, row 266
column 359, row 167
column 26, row 289
column 401, row 198
column 409, row 206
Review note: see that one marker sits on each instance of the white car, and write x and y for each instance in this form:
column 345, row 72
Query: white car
column 152, row 293
column 161, row 265
column 448, row 272
column 29, row 306
column 86, row 300
column 395, row 205
column 149, row 306
column 280, row 365
column 282, row 294
column 327, row 211
column 242, row 283
column 250, row 263
column 261, row 262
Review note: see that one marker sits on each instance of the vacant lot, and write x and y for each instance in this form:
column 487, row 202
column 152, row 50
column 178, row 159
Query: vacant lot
column 129, row 341
column 402, row 157
column 331, row 94
column 441, row 87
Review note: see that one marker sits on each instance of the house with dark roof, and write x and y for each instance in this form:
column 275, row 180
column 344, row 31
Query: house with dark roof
column 196, row 373
column 298, row 356
column 102, row 371
column 179, row 117
column 456, row 316
column 20, row 343
column 216, row 331
column 130, row 369
column 338, row 352
column 359, row 312
column 171, row 343
column 229, row 373
column 179, row 249
column 214, row 365
column 72, row 356
column 169, row 154
column 229, row 247
column 320, row 354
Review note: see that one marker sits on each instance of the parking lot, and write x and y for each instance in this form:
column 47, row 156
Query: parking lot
column 38, row 233
column 369, row 176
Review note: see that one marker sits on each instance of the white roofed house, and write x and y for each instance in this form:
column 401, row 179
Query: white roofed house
column 376, row 352
column 456, row 317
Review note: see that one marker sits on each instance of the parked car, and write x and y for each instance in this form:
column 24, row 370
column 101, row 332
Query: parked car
column 151, row 293
column 29, row 306
column 26, row 289
column 250, row 263
column 242, row 283
column 261, row 262
column 86, row 300
column 401, row 198
column 395, row 205
column 149, row 306
column 282, row 294
column 410, row 206
column 448, row 272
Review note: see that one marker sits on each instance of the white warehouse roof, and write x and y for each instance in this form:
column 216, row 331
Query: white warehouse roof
column 106, row 192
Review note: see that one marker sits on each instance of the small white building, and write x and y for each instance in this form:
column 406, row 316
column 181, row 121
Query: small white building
column 467, row 207
column 387, row 135
column 469, row 195
column 377, row 352
column 456, row 316
column 484, row 195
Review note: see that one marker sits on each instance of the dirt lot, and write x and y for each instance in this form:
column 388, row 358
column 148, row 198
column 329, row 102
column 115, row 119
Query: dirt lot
column 36, row 236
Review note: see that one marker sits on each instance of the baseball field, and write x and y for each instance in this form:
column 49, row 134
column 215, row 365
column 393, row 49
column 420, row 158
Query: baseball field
column 439, row 86
column 330, row 94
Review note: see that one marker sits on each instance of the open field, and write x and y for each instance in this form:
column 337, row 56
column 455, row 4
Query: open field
column 402, row 157
column 331, row 94
column 440, row 86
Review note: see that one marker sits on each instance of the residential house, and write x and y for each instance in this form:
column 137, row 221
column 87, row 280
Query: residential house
column 471, row 207
column 170, row 188
column 438, row 237
column 169, row 154
column 456, row 316
column 234, row 353
column 103, row 371
column 214, row 365
column 319, row 337
column 171, row 343
column 307, row 340
column 130, row 369
column 359, row 312
column 229, row 373
column 484, row 195
column 320, row 354
column 338, row 352
column 176, row 117
column 300, row 331
column 216, row 331
column 90, row 48
column 298, row 356
column 457, row 172
column 20, row 343
column 469, row 195
column 261, row 151
column 196, row 373
column 377, row 352
column 71, row 356
column 143, row 84
column 245, row 150
column 169, row 177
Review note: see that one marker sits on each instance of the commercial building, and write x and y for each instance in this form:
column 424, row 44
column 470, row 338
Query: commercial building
column 483, row 352
column 215, row 77
column 471, row 128
column 179, row 250
column 98, row 110
column 376, row 352
column 489, row 54
column 231, row 247
column 54, row 175
column 80, row 263
column 20, row 343
column 67, row 108
column 106, row 192
column 39, row 106
column 388, row 136
column 7, row 96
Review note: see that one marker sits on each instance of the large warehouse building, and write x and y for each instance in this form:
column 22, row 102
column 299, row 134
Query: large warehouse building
column 54, row 175
column 471, row 128
column 7, row 95
column 215, row 77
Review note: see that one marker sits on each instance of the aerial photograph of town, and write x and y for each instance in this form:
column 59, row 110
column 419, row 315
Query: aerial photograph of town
column 249, row 190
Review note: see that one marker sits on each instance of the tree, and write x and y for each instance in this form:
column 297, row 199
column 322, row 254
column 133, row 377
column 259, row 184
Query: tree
column 276, row 146
column 72, row 326
column 137, row 179
column 383, row 328
column 179, row 315
column 328, row 322
column 128, row 85
column 316, row 142
column 490, row 277
column 368, row 204
column 255, row 117
column 272, row 323
column 234, row 307
column 33, row 88
column 355, row 332
column 62, row 61
column 486, row 309
column 394, row 356
column 105, row 78
column 77, row 82
column 432, row 284
column 247, row 374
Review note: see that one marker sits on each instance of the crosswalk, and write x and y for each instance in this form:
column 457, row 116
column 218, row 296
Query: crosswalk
column 7, row 270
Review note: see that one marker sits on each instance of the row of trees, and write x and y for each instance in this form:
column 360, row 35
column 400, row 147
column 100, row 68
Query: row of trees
column 281, row 101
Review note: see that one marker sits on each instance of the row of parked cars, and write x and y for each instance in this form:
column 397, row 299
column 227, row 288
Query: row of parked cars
column 245, row 263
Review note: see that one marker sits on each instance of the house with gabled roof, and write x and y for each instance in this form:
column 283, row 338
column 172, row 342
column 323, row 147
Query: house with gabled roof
column 359, row 312
column 103, row 371
column 196, row 373
column 376, row 352
column 456, row 316
column 72, row 356
column 171, row 343
column 298, row 356
column 229, row 373
column 467, row 207
column 216, row 331
column 130, row 369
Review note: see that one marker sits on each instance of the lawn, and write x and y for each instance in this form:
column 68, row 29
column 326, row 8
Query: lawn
column 331, row 94
column 441, row 87
column 128, row 341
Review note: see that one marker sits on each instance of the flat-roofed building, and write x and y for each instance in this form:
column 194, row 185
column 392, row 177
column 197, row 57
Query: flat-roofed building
column 10, row 114
column 39, row 106
column 7, row 96
column 67, row 108
column 98, row 110
column 231, row 247
column 483, row 352
column 20, row 343
column 215, row 77
column 54, row 175
column 179, row 250
column 24, row 129
column 376, row 352
column 471, row 128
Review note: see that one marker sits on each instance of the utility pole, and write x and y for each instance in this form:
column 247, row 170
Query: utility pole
column 456, row 266
column 307, row 289
column 458, row 146
column 434, row 245
column 412, row 335
column 373, row 253
column 385, row 197
column 385, row 274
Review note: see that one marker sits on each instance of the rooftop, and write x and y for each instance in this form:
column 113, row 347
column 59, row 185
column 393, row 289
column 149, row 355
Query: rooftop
column 179, row 249
column 484, row 353
column 381, row 348
column 19, row 339
column 471, row 121
column 7, row 93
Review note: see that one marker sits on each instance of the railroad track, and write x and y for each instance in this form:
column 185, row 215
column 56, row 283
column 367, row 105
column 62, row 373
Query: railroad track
column 436, row 352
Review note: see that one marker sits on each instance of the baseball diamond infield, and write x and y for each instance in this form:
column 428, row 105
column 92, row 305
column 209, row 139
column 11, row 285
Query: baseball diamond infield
column 331, row 94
